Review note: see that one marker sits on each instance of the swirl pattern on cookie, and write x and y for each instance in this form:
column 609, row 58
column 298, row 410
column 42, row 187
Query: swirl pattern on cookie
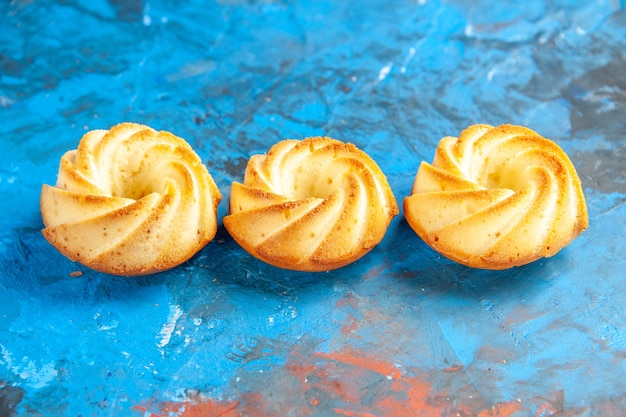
column 497, row 197
column 130, row 201
column 311, row 205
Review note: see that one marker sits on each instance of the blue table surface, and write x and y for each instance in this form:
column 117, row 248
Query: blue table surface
column 401, row 332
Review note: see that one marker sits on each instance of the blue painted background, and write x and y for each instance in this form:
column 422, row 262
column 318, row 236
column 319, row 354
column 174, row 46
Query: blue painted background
column 401, row 332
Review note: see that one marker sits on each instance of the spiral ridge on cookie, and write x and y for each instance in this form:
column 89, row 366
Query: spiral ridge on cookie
column 497, row 197
column 311, row 205
column 130, row 201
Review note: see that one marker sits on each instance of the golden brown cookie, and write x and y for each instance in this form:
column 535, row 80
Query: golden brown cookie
column 311, row 205
column 497, row 197
column 130, row 201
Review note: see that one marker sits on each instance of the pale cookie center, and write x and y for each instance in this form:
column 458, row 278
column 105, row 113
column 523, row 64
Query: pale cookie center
column 315, row 182
column 509, row 174
column 138, row 177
